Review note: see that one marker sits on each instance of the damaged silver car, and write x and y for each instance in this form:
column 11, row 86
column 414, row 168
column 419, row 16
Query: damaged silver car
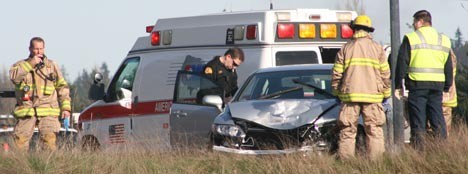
column 278, row 110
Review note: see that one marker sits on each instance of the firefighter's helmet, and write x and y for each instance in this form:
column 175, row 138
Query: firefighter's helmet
column 362, row 22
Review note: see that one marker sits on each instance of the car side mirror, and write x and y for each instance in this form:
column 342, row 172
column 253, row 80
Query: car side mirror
column 213, row 100
column 125, row 93
column 126, row 84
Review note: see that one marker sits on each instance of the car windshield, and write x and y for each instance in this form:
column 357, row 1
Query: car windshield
column 297, row 84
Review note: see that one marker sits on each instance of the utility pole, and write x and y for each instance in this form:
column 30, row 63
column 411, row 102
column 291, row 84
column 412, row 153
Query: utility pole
column 398, row 121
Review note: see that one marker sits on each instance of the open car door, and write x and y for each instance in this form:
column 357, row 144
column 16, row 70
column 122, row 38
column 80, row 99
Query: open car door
column 190, row 118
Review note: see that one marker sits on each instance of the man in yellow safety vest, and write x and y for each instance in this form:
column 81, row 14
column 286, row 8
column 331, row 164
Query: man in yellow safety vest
column 424, row 61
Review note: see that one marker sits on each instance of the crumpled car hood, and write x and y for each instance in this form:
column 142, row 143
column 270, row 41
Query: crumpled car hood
column 280, row 114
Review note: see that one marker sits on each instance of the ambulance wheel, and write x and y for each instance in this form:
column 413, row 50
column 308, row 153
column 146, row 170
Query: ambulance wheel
column 90, row 143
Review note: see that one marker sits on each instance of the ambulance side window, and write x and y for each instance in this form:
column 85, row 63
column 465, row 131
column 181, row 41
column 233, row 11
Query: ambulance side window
column 122, row 83
column 329, row 54
column 296, row 57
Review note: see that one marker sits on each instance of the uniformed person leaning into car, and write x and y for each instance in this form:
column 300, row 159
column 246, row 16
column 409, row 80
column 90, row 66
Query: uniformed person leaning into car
column 222, row 70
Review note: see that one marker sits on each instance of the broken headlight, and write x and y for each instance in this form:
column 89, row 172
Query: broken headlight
column 228, row 130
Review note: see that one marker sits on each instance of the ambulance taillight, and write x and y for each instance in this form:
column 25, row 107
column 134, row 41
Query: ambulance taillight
column 285, row 31
column 346, row 31
column 149, row 29
column 306, row 31
column 328, row 31
column 155, row 38
column 251, row 32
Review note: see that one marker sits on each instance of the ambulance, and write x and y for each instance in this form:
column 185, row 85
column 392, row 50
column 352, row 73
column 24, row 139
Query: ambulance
column 136, row 108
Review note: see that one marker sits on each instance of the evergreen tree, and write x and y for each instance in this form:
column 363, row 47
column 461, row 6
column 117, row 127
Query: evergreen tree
column 65, row 74
column 355, row 5
column 79, row 93
column 458, row 41
column 104, row 70
column 461, row 80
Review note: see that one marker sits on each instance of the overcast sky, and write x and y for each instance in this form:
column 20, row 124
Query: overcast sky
column 83, row 34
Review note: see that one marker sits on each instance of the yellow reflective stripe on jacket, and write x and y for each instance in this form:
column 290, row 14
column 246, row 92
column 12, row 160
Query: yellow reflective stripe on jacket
column 384, row 66
column 357, row 97
column 387, row 93
column 360, row 34
column 26, row 66
column 363, row 62
column 60, row 82
column 424, row 45
column 451, row 103
column 429, row 53
column 47, row 90
column 40, row 112
column 65, row 105
column 21, row 86
column 338, row 67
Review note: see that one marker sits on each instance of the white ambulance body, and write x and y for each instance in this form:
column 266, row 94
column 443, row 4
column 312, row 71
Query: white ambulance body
column 135, row 109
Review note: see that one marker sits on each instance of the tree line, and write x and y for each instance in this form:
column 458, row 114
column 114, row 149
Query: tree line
column 461, row 79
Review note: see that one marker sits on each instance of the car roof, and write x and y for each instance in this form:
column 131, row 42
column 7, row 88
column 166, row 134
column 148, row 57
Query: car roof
column 296, row 67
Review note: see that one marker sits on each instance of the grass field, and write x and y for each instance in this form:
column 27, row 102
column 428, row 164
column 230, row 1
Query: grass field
column 451, row 157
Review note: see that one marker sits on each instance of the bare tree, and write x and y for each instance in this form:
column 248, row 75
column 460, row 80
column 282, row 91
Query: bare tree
column 355, row 5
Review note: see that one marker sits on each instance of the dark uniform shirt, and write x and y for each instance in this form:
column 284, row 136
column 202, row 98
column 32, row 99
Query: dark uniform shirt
column 223, row 77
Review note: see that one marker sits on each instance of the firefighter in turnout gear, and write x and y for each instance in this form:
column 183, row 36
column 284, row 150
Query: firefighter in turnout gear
column 424, row 61
column 42, row 95
column 449, row 99
column 361, row 80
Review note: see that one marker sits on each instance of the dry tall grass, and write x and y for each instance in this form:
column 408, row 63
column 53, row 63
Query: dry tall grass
column 451, row 157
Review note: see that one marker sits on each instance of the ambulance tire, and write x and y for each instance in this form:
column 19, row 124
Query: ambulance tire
column 90, row 143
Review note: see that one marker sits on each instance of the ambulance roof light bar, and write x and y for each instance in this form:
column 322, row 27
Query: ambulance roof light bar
column 251, row 32
column 155, row 38
column 285, row 31
column 149, row 28
column 239, row 32
column 283, row 16
column 344, row 16
column 346, row 31
column 167, row 37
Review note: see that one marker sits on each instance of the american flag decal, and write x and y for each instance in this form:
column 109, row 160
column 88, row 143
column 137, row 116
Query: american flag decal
column 117, row 133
